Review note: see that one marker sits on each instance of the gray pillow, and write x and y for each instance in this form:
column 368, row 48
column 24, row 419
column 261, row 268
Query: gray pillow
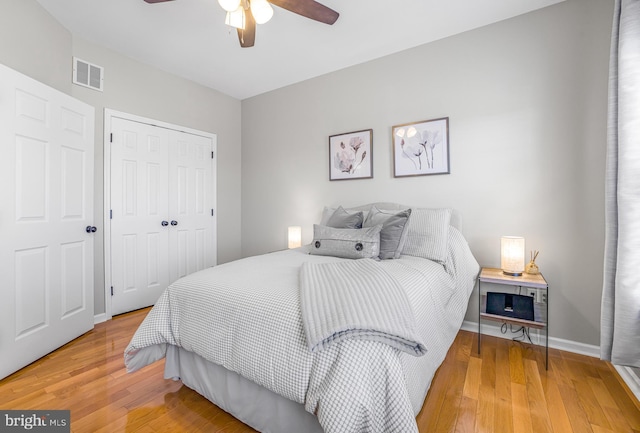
column 394, row 230
column 346, row 243
column 428, row 234
column 341, row 219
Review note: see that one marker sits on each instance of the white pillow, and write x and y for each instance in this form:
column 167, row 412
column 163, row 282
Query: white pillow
column 428, row 234
column 346, row 243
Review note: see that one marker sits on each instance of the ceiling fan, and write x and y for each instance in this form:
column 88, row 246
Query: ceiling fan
column 244, row 14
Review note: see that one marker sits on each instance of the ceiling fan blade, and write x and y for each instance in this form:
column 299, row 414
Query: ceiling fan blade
column 157, row 1
column 247, row 37
column 310, row 9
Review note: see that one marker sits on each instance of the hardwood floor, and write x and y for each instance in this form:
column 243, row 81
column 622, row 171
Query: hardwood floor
column 505, row 389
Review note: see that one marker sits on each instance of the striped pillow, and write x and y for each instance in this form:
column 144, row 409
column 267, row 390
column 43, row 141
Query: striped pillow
column 428, row 234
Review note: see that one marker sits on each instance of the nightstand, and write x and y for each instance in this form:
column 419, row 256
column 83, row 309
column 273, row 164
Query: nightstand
column 523, row 285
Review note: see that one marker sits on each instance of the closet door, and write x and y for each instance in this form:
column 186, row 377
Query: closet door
column 162, row 200
column 46, row 252
column 139, row 214
column 191, row 194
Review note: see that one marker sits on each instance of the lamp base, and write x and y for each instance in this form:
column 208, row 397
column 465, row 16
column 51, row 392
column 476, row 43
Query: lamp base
column 512, row 274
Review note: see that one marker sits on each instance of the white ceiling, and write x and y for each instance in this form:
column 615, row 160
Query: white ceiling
column 189, row 37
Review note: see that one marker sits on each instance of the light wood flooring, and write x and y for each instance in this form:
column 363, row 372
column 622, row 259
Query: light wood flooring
column 505, row 389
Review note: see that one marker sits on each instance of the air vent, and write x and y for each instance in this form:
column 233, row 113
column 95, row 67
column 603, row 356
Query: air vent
column 87, row 75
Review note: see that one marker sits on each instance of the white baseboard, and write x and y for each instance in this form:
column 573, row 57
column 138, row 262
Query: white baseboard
column 555, row 343
column 99, row 318
column 630, row 378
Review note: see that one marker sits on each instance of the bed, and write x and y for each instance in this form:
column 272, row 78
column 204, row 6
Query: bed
column 240, row 333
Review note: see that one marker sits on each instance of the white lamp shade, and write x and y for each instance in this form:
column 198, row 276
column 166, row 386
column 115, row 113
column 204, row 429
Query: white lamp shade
column 261, row 11
column 235, row 18
column 512, row 255
column 229, row 5
column 295, row 236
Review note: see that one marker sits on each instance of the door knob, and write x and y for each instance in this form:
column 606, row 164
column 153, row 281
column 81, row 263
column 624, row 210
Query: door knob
column 165, row 223
column 91, row 229
column 174, row 222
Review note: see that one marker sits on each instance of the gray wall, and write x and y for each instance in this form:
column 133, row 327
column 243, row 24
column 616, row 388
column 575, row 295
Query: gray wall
column 32, row 42
column 526, row 99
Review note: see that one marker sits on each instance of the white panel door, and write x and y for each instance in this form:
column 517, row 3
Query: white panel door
column 191, row 194
column 162, row 201
column 46, row 252
column 139, row 214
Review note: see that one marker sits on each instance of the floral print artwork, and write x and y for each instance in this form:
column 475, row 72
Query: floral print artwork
column 347, row 158
column 350, row 155
column 421, row 148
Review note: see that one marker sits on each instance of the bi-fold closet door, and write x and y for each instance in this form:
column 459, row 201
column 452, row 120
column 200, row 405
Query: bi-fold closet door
column 162, row 220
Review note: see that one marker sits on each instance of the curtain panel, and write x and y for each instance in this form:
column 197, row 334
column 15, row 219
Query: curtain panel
column 620, row 319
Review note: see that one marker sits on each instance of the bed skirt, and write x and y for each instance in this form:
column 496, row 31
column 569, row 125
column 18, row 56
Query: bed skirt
column 252, row 404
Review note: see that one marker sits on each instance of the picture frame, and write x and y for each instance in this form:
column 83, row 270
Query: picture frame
column 351, row 155
column 421, row 148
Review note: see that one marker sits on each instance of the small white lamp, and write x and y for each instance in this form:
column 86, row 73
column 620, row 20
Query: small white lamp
column 512, row 255
column 295, row 236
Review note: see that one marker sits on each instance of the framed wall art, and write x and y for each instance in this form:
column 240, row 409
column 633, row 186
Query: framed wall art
column 351, row 155
column 421, row 148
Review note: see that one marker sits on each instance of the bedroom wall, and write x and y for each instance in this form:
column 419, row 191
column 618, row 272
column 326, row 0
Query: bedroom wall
column 526, row 99
column 34, row 43
column 136, row 88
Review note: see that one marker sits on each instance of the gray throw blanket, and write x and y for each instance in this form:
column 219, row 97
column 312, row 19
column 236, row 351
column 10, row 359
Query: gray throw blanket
column 356, row 299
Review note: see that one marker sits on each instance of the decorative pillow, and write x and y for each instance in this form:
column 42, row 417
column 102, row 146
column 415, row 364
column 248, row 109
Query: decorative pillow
column 428, row 234
column 329, row 211
column 394, row 230
column 346, row 243
column 341, row 219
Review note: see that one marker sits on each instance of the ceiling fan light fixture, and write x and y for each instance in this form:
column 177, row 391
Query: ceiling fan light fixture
column 236, row 18
column 261, row 11
column 229, row 5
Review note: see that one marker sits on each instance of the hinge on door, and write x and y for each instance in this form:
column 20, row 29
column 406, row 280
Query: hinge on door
column 111, row 137
column 212, row 155
column 211, row 212
column 110, row 214
column 111, row 290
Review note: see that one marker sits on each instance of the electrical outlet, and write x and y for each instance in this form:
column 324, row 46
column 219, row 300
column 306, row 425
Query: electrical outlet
column 543, row 296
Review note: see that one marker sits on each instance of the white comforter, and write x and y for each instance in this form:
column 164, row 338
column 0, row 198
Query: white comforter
column 245, row 316
column 356, row 300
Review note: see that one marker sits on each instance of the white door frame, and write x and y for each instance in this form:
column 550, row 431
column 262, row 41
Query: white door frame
column 108, row 115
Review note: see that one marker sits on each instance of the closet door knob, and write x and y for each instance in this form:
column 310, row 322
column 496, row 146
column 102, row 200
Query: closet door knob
column 174, row 222
column 91, row 229
column 165, row 223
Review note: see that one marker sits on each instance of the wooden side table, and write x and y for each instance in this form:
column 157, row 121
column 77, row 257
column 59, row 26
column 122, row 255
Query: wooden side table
column 541, row 307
